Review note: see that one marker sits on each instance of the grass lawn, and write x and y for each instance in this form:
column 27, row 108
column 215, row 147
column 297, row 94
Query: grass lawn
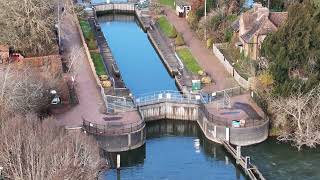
column 98, row 63
column 88, row 34
column 165, row 26
column 167, row 3
column 188, row 60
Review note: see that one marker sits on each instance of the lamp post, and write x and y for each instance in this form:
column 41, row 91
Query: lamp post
column 205, row 20
column 59, row 38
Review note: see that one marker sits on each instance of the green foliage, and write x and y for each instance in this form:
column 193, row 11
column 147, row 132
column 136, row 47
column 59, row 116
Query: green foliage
column 179, row 41
column 98, row 63
column 169, row 3
column 228, row 35
column 215, row 22
column 188, row 60
column 209, row 43
column 88, row 34
column 295, row 47
column 192, row 19
column 165, row 26
column 173, row 32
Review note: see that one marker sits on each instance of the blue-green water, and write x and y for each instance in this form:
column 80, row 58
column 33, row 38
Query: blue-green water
column 174, row 153
column 141, row 67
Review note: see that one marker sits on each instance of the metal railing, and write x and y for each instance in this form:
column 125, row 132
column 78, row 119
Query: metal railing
column 112, row 128
column 167, row 96
column 221, row 121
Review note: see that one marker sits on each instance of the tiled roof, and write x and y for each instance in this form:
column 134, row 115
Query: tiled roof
column 261, row 22
column 235, row 25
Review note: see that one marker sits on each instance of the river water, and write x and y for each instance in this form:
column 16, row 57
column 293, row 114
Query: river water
column 176, row 150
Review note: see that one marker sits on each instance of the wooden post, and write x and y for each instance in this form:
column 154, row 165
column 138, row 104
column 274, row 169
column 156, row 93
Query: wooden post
column 238, row 154
column 129, row 139
column 227, row 134
column 247, row 165
column 118, row 161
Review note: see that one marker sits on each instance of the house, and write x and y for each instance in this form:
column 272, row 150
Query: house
column 4, row 54
column 182, row 7
column 253, row 26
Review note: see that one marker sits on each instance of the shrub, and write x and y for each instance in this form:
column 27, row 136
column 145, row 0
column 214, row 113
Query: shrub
column 173, row 32
column 209, row 43
column 179, row 40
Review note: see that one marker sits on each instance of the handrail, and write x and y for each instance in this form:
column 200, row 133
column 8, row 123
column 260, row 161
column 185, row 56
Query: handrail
column 220, row 121
column 112, row 128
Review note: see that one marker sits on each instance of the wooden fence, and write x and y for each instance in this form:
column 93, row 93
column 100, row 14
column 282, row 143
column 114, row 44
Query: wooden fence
column 242, row 82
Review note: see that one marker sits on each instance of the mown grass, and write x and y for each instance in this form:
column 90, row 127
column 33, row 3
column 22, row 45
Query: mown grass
column 169, row 3
column 165, row 26
column 98, row 63
column 188, row 60
column 88, row 34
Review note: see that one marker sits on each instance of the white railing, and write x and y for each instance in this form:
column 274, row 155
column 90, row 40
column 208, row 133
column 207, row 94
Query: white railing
column 167, row 96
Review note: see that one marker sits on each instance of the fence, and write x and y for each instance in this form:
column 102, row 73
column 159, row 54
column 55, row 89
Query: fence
column 119, row 104
column 167, row 96
column 242, row 82
column 112, row 128
column 220, row 121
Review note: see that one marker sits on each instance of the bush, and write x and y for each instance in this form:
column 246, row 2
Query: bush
column 179, row 40
column 209, row 43
column 228, row 35
column 173, row 32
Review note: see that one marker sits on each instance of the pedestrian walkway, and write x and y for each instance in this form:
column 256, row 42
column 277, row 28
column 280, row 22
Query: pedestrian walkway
column 90, row 102
column 204, row 56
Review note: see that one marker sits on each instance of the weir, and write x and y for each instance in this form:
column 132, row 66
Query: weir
column 217, row 125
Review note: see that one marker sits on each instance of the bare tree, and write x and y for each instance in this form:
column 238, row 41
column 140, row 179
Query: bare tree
column 29, row 25
column 24, row 90
column 75, row 60
column 298, row 117
column 31, row 149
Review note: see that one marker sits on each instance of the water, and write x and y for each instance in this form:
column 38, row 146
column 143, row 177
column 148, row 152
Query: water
column 178, row 152
column 172, row 150
column 141, row 67
column 282, row 161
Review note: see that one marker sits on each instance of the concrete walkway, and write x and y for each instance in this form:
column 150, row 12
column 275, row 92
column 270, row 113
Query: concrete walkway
column 204, row 56
column 90, row 102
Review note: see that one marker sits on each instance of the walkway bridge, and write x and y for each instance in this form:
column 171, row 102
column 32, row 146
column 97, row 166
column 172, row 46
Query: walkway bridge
column 117, row 7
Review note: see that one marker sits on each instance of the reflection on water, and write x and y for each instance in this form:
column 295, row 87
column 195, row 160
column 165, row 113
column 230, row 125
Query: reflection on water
column 140, row 66
column 282, row 161
column 176, row 150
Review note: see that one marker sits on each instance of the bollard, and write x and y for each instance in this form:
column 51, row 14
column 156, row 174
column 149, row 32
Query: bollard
column 118, row 161
column 215, row 131
column 238, row 154
column 247, row 165
column 227, row 134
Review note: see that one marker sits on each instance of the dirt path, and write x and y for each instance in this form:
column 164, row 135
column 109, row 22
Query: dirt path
column 90, row 102
column 204, row 56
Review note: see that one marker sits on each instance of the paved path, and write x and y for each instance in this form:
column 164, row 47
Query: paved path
column 204, row 56
column 90, row 102
column 91, row 106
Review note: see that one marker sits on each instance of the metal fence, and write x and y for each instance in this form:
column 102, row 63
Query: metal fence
column 119, row 104
column 112, row 128
column 167, row 96
column 221, row 121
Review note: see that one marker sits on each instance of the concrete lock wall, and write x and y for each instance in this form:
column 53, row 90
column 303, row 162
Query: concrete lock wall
column 168, row 110
column 124, row 142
